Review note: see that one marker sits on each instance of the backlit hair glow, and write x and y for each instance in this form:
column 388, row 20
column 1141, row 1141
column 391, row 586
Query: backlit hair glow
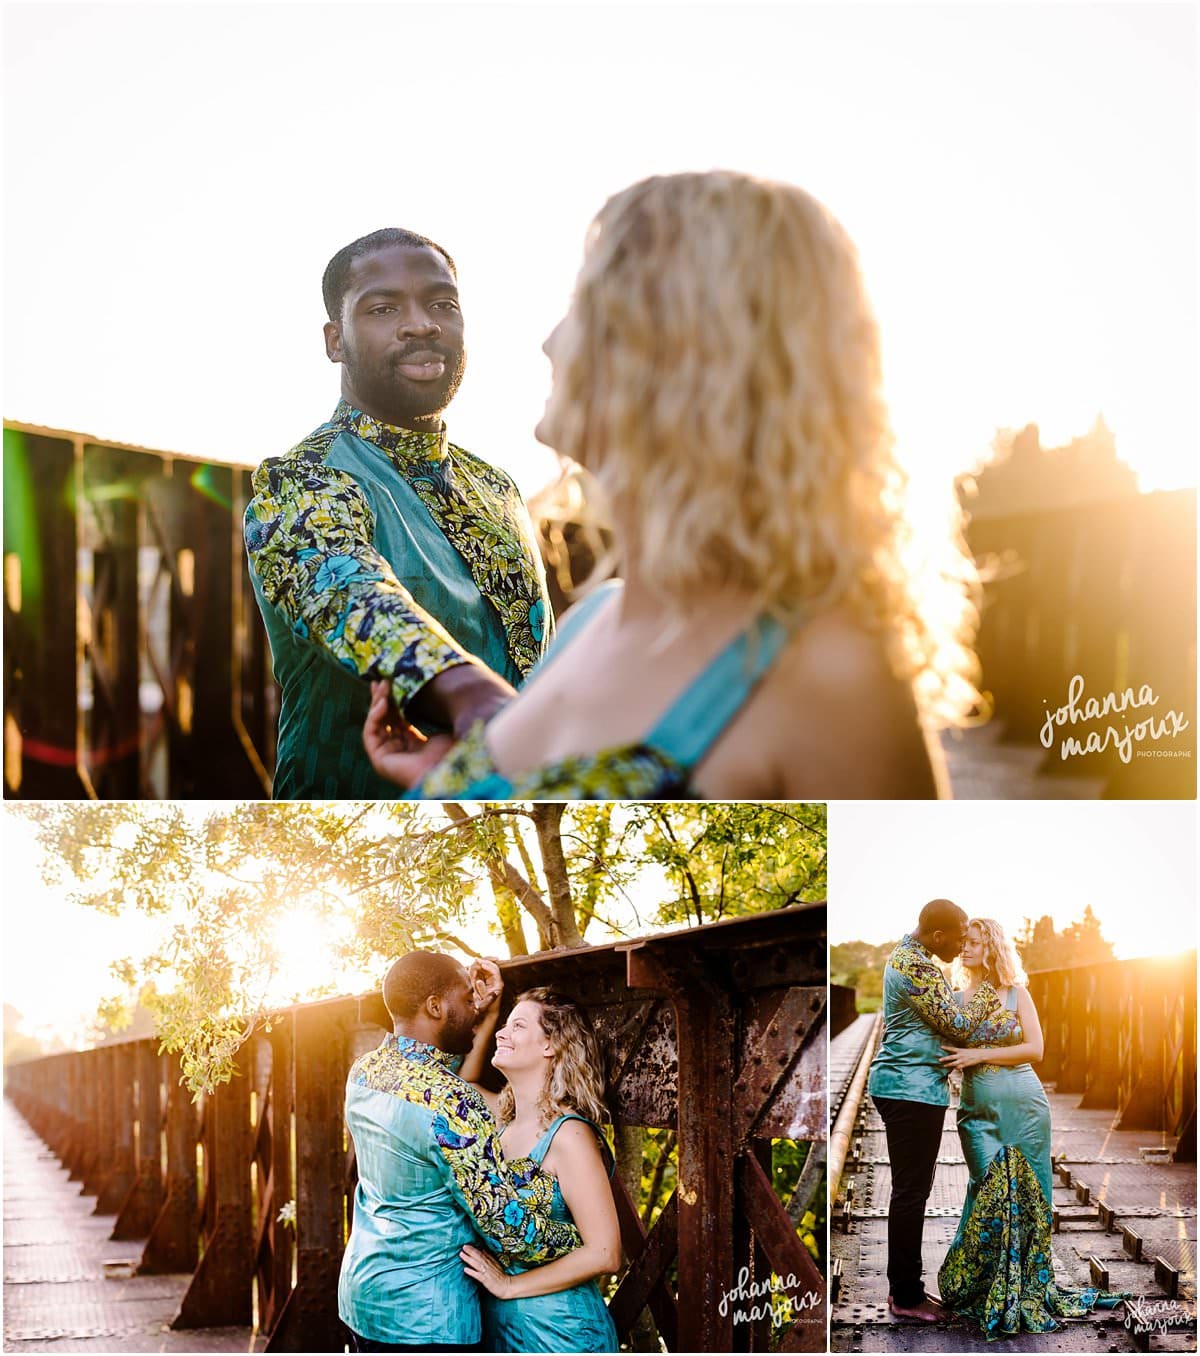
column 719, row 374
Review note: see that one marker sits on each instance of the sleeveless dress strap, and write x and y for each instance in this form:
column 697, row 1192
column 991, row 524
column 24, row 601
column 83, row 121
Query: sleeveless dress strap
column 700, row 714
column 542, row 1147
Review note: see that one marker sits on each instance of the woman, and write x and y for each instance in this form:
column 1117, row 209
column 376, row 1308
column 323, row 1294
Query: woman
column 550, row 1114
column 775, row 635
column 999, row 1271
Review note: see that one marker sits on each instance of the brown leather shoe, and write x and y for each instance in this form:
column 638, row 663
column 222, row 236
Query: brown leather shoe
column 928, row 1311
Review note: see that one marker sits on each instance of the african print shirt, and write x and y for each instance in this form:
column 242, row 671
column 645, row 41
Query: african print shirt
column 919, row 1013
column 378, row 552
column 431, row 1178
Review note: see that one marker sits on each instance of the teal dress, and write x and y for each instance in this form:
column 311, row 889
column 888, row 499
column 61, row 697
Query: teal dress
column 569, row 1320
column 999, row 1271
column 659, row 767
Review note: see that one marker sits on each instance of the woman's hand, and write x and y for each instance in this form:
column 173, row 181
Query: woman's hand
column 964, row 1058
column 482, row 1267
column 396, row 749
column 486, row 983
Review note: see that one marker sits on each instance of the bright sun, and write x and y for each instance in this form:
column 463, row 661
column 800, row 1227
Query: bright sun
column 306, row 947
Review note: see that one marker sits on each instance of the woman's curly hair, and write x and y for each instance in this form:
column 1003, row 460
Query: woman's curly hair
column 576, row 1077
column 719, row 375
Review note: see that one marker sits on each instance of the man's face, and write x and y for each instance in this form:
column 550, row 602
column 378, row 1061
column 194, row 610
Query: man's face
column 948, row 942
column 459, row 1017
column 400, row 336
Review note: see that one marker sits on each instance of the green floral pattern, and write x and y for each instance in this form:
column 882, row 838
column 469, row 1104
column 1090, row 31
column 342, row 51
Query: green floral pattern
column 481, row 512
column 999, row 1273
column 511, row 1202
column 637, row 772
column 310, row 538
column 981, row 1022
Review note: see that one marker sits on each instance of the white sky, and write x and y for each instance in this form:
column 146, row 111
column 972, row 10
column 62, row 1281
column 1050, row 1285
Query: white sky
column 1020, row 178
column 1134, row 862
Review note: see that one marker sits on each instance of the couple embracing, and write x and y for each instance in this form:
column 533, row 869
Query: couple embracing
column 481, row 1221
column 998, row 1273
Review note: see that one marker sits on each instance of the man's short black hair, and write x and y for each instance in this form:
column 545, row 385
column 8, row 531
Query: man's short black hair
column 336, row 277
column 416, row 977
column 940, row 915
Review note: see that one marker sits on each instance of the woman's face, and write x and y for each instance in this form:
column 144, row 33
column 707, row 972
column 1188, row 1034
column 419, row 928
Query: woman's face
column 521, row 1043
column 972, row 952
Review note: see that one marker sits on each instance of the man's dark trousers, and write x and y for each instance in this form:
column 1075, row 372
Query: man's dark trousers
column 914, row 1135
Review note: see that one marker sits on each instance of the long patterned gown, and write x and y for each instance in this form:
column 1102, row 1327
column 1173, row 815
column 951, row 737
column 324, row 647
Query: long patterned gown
column 999, row 1271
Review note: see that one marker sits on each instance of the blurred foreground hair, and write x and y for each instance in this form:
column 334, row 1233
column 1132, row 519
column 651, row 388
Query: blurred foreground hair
column 719, row 375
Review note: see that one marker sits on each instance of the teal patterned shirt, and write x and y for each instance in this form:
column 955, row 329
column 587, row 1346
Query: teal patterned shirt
column 431, row 1178
column 919, row 1013
column 378, row 552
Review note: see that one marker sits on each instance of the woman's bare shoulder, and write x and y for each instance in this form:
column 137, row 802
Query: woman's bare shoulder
column 845, row 717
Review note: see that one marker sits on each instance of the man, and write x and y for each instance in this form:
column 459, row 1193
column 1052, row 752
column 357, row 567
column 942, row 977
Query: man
column 380, row 550
column 909, row 1086
column 431, row 1176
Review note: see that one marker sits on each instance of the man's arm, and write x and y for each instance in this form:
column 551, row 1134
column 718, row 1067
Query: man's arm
column 514, row 1223
column 309, row 535
column 979, row 1022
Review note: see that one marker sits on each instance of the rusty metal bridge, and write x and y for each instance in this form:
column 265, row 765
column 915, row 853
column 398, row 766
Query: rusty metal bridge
column 1120, row 1071
column 717, row 1032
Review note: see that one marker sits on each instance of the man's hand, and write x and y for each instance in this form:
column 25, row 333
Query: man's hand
column 397, row 751
column 487, row 983
column 459, row 697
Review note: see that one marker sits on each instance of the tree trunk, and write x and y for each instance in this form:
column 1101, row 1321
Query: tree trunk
column 547, row 822
column 510, row 920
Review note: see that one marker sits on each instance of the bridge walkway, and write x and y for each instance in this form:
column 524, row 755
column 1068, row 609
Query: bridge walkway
column 1125, row 1218
column 65, row 1285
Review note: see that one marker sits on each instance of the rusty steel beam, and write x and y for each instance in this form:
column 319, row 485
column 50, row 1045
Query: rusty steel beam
column 174, row 1242
column 114, row 482
column 803, row 1284
column 220, row 1291
column 309, row 1320
column 145, row 1197
column 273, row 1244
column 122, row 1165
column 1102, row 1036
column 650, row 1255
column 769, row 1098
column 706, row 1024
column 41, row 693
column 103, row 1127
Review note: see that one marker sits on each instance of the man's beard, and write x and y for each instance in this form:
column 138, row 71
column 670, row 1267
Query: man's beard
column 403, row 400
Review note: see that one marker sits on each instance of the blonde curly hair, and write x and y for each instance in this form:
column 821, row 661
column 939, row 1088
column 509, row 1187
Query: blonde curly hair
column 718, row 373
column 1001, row 966
column 575, row 1080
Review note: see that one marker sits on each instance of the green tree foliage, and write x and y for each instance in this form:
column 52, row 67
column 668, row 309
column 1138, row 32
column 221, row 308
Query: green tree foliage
column 1079, row 943
column 406, row 876
column 859, row 966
